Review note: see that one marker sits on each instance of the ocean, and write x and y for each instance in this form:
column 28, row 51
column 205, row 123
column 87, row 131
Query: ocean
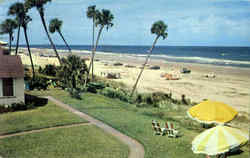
column 224, row 56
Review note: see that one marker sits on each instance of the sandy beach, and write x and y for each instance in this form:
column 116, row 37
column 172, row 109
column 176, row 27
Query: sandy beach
column 230, row 84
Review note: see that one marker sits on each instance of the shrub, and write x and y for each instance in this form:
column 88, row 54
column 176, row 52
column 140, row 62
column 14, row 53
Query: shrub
column 143, row 105
column 40, row 69
column 94, row 86
column 159, row 96
column 49, row 70
column 139, row 99
column 157, row 99
column 38, row 82
column 149, row 99
column 14, row 107
column 115, row 93
column 74, row 93
column 118, row 64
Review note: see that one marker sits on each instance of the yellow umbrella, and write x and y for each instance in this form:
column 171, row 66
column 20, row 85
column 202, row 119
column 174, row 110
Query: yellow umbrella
column 212, row 112
column 218, row 140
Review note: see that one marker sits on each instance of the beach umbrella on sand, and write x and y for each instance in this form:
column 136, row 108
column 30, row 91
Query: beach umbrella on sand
column 218, row 140
column 209, row 112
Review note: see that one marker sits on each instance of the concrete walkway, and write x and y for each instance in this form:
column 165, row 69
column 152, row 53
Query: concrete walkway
column 135, row 148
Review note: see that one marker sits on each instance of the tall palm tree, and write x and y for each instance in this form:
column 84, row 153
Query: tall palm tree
column 159, row 28
column 7, row 27
column 55, row 26
column 103, row 19
column 17, row 9
column 91, row 14
column 39, row 5
column 25, row 21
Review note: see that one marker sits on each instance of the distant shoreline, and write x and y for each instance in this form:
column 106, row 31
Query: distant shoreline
column 177, row 54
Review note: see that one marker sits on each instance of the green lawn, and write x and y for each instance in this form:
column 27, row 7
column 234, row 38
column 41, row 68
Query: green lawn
column 136, row 122
column 75, row 142
column 49, row 115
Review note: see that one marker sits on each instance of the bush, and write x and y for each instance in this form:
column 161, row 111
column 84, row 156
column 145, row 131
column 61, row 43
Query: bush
column 14, row 107
column 139, row 98
column 38, row 83
column 74, row 93
column 49, row 70
column 157, row 99
column 115, row 93
column 94, row 86
column 149, row 99
column 118, row 64
column 143, row 105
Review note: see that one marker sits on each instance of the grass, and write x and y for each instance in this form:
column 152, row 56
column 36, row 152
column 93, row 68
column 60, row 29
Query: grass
column 136, row 123
column 46, row 116
column 75, row 142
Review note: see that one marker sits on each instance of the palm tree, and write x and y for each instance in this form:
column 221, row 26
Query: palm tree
column 25, row 21
column 17, row 9
column 103, row 18
column 91, row 14
column 55, row 26
column 159, row 28
column 39, row 5
column 7, row 27
column 71, row 71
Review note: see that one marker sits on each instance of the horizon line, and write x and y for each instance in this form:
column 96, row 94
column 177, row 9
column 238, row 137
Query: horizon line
column 133, row 45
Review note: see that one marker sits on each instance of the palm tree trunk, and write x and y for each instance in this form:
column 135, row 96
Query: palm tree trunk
column 51, row 42
column 93, row 56
column 94, row 50
column 28, row 46
column 93, row 44
column 10, row 40
column 60, row 33
column 145, row 63
column 18, row 34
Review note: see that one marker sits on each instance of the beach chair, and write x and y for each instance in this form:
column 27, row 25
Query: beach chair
column 157, row 129
column 171, row 132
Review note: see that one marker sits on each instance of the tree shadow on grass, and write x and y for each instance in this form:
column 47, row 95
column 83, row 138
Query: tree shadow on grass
column 36, row 101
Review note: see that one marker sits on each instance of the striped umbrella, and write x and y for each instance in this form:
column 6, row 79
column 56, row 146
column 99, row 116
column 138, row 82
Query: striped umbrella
column 218, row 140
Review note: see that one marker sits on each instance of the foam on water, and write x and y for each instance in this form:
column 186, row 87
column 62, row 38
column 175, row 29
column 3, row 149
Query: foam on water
column 203, row 60
column 225, row 56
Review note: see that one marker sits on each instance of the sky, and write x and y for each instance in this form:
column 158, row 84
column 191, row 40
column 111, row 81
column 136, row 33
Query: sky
column 190, row 23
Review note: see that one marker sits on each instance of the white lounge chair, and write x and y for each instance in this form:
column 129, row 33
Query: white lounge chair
column 170, row 130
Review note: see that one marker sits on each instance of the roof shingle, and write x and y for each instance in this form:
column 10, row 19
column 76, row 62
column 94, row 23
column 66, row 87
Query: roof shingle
column 10, row 66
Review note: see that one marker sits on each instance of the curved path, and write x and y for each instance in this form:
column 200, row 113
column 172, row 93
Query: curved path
column 135, row 148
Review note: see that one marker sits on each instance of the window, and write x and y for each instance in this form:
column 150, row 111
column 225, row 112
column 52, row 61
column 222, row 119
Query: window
column 8, row 88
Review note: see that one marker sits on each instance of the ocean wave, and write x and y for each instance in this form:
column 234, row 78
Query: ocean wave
column 203, row 60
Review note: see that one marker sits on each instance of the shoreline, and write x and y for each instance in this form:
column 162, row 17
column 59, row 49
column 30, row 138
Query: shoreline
column 170, row 58
column 231, row 84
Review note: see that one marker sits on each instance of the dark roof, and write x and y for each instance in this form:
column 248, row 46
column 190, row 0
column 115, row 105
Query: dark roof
column 10, row 66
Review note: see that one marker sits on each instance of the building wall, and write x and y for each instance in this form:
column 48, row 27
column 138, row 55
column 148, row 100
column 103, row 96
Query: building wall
column 18, row 92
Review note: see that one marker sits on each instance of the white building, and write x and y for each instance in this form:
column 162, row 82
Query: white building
column 11, row 79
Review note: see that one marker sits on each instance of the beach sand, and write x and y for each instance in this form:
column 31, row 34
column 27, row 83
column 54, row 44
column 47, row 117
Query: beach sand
column 230, row 85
